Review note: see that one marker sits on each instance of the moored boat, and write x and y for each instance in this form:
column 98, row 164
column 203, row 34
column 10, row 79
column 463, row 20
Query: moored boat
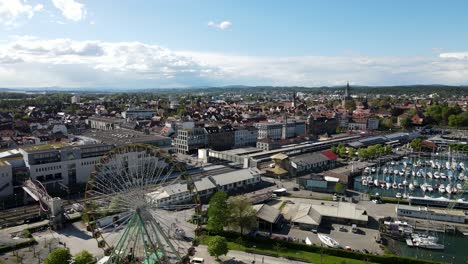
column 328, row 241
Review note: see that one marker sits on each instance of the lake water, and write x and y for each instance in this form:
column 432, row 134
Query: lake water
column 455, row 246
column 455, row 250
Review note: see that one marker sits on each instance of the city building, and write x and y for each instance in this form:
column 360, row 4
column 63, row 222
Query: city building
column 231, row 182
column 67, row 165
column 347, row 95
column 220, row 138
column 188, row 141
column 318, row 183
column 454, row 216
column 311, row 163
column 319, row 125
column 245, row 136
column 268, row 218
column 75, row 99
column 117, row 137
column 6, row 179
column 104, row 123
column 310, row 216
column 138, row 114
column 281, row 130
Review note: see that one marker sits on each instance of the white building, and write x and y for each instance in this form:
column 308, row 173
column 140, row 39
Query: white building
column 245, row 137
column 227, row 182
column 454, row 216
column 190, row 140
column 67, row 165
column 6, row 179
column 277, row 130
column 138, row 114
column 75, row 99
column 372, row 123
column 104, row 123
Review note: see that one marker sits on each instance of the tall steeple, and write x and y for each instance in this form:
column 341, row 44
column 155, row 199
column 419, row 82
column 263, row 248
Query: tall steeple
column 347, row 94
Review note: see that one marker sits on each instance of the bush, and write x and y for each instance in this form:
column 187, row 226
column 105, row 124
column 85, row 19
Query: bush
column 58, row 256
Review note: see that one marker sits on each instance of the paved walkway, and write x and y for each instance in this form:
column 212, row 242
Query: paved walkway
column 238, row 257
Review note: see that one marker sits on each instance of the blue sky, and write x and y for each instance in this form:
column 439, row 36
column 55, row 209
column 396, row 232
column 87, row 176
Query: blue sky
column 79, row 43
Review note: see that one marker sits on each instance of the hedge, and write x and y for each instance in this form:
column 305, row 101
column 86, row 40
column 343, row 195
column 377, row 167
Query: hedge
column 20, row 245
column 266, row 243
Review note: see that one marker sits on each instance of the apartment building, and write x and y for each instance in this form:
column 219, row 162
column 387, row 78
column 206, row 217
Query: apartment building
column 188, row 141
column 245, row 136
column 281, row 130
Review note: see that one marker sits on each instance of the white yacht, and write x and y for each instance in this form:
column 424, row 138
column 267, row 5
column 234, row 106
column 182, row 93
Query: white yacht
column 442, row 188
column 398, row 195
column 430, row 188
column 448, row 188
column 429, row 174
column 423, row 187
column 330, row 242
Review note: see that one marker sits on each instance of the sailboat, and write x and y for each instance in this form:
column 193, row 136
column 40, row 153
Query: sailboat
column 442, row 188
column 443, row 176
column 429, row 174
column 430, row 188
column 461, row 176
column 423, row 187
column 448, row 188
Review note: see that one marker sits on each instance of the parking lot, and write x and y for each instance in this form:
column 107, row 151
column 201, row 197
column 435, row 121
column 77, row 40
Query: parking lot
column 364, row 238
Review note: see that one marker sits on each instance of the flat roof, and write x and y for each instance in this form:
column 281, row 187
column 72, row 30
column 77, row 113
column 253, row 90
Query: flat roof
column 121, row 136
column 435, row 210
column 342, row 210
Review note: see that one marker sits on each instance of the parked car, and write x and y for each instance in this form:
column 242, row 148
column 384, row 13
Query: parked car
column 343, row 229
column 197, row 260
column 295, row 189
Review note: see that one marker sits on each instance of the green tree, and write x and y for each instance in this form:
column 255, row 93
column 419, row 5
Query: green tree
column 386, row 123
column 350, row 105
column 363, row 153
column 217, row 212
column 416, row 144
column 339, row 187
column 459, row 120
column 351, row 153
column 58, row 256
column 83, row 257
column 405, row 123
column 241, row 213
column 217, row 246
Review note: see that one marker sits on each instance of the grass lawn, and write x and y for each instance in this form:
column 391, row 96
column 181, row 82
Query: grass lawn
column 284, row 252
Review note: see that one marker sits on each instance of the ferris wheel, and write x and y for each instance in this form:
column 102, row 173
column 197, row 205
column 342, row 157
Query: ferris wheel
column 125, row 218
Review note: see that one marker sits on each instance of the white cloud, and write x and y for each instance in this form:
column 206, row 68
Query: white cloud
column 71, row 9
column 69, row 63
column 11, row 10
column 32, row 62
column 455, row 55
column 222, row 25
column 332, row 70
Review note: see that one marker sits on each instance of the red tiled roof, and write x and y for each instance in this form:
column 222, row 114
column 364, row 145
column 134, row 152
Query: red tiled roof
column 330, row 155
